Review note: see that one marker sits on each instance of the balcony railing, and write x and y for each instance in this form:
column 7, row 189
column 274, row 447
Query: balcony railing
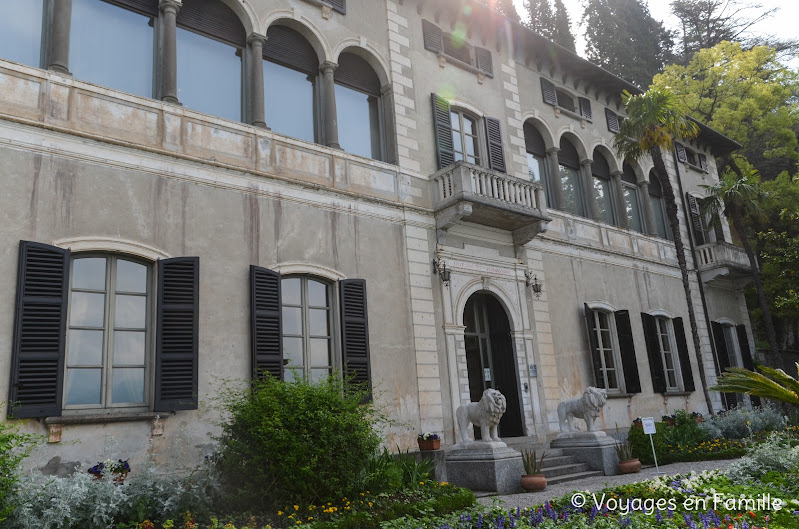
column 722, row 259
column 475, row 194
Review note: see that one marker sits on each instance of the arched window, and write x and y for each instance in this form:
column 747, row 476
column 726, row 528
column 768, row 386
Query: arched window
column 210, row 40
column 358, row 107
column 632, row 202
column 602, row 187
column 465, row 136
column 21, row 31
column 291, row 71
column 537, row 158
column 112, row 46
column 569, row 164
column 307, row 328
column 658, row 207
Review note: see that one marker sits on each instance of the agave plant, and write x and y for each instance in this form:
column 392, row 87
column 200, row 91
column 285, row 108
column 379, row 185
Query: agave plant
column 531, row 464
column 769, row 383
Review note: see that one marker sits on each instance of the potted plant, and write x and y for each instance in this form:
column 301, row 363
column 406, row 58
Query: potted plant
column 697, row 417
column 637, row 423
column 119, row 469
column 428, row 441
column 533, row 480
column 627, row 463
column 668, row 419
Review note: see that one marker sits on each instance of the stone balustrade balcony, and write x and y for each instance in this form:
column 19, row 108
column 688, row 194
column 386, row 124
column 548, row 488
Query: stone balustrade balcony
column 466, row 192
column 722, row 261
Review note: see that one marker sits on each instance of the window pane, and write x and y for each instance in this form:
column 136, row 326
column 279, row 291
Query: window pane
column 660, row 217
column 317, row 293
column 292, row 351
column 131, row 277
column 320, row 352
column 289, row 101
column 455, row 120
column 21, row 31
column 613, row 383
column 129, row 348
column 209, row 75
column 128, row 385
column 87, row 310
column 471, row 146
column 319, row 374
column 456, row 142
column 536, row 167
column 85, row 348
column 292, row 320
column 633, row 208
column 569, row 179
column 318, row 322
column 354, row 121
column 111, row 46
column 602, row 193
column 131, row 312
column 290, row 375
column 468, row 126
column 83, row 386
column 88, row 273
column 290, row 291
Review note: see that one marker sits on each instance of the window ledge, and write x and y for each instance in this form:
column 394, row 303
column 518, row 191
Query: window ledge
column 620, row 395
column 99, row 418
column 677, row 393
column 697, row 168
column 571, row 114
column 444, row 58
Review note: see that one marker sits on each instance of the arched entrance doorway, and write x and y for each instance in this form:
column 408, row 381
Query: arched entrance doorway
column 490, row 358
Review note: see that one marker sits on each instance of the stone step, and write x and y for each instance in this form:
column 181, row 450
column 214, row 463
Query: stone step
column 564, row 470
column 556, row 461
column 574, row 477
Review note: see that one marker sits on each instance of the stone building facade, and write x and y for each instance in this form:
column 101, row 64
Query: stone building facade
column 421, row 195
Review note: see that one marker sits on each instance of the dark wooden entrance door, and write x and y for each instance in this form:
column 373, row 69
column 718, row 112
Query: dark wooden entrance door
column 491, row 360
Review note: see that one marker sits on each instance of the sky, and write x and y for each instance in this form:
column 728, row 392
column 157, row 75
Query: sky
column 783, row 24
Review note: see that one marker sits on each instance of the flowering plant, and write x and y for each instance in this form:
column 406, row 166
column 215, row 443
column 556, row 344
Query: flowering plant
column 428, row 436
column 115, row 467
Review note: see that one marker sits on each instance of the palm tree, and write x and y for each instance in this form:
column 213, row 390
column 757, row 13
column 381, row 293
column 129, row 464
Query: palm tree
column 770, row 383
column 653, row 119
column 736, row 196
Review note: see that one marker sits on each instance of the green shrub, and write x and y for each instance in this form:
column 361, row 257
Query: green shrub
column 14, row 447
column 742, row 422
column 295, row 443
column 685, row 441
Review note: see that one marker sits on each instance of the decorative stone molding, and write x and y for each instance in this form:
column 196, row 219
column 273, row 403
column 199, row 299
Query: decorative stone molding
column 54, row 432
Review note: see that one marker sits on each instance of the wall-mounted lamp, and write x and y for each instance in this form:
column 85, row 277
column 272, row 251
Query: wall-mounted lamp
column 440, row 269
column 532, row 281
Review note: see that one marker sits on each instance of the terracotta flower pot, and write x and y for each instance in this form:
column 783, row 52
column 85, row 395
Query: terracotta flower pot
column 534, row 482
column 699, row 419
column 430, row 444
column 631, row 466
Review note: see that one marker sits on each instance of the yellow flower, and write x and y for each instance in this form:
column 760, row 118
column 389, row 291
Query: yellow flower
column 280, row 513
column 296, row 507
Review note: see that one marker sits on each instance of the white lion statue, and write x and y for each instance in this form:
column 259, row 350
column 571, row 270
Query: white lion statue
column 586, row 407
column 485, row 414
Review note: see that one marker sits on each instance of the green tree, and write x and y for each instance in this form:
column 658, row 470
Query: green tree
column 563, row 32
column 505, row 7
column 774, row 384
column 540, row 18
column 653, row 119
column 623, row 38
column 747, row 95
column 738, row 198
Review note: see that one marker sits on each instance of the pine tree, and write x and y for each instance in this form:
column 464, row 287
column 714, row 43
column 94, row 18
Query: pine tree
column 506, row 8
column 540, row 18
column 563, row 33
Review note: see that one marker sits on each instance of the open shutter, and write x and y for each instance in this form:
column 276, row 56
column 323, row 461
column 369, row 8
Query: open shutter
column 338, row 5
column 265, row 323
column 653, row 353
column 37, row 356
column 613, row 121
column 548, row 91
column 176, row 342
column 702, row 161
column 484, row 61
column 685, row 360
column 443, row 131
column 433, row 37
column 746, row 355
column 585, row 108
column 596, row 362
column 632, row 382
column 496, row 154
column 718, row 229
column 730, row 399
column 681, row 154
column 355, row 332
column 696, row 219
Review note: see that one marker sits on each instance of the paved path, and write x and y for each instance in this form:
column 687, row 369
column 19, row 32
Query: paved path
column 528, row 499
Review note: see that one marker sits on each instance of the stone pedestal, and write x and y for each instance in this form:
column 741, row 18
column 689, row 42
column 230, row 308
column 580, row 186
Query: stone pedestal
column 486, row 467
column 595, row 448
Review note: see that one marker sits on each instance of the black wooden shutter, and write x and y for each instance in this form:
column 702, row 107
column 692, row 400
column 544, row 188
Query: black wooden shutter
column 176, row 342
column 613, row 121
column 585, row 108
column 548, row 91
column 496, row 154
column 443, row 130
column 624, row 331
column 653, row 353
column 718, row 229
column 730, row 399
column 685, row 360
column 682, row 156
column 355, row 332
column 214, row 19
column 596, row 362
column 696, row 219
column 702, row 161
column 338, row 5
column 37, row 355
column 433, row 37
column 266, row 323
column 746, row 356
column 484, row 61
